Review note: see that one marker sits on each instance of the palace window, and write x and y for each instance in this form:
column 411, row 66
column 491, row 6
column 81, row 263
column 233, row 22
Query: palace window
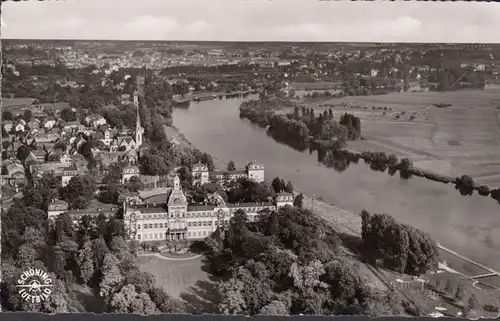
column 199, row 233
column 155, row 225
column 209, row 223
column 138, row 226
column 161, row 225
column 146, row 236
column 138, row 236
column 204, row 223
column 189, row 234
column 189, row 223
column 150, row 225
column 156, row 236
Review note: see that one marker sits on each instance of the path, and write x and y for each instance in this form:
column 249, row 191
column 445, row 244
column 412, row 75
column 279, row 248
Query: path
column 170, row 258
column 468, row 260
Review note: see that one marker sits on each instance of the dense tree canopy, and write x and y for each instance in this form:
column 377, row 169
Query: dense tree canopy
column 289, row 263
column 402, row 247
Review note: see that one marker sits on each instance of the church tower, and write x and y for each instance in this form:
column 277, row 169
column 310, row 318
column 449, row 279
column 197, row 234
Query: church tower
column 139, row 131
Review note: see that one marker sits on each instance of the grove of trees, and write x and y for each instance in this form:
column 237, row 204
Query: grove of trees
column 289, row 262
column 401, row 247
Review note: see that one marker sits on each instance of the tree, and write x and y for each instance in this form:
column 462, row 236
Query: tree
column 23, row 152
column 129, row 301
column 164, row 303
column 68, row 115
column 278, row 185
column 58, row 300
column 460, row 293
column 472, row 302
column 274, row 308
column 231, row 166
column 112, row 277
column 26, row 256
column 79, row 191
column 288, row 187
column 85, row 261
column 448, row 287
column 298, row 201
column 232, row 300
column 134, row 184
column 28, row 115
column 437, row 284
column 6, row 115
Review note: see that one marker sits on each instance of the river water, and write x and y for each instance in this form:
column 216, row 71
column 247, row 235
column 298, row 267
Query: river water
column 469, row 225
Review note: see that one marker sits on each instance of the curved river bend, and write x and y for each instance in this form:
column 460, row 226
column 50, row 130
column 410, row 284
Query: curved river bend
column 469, row 225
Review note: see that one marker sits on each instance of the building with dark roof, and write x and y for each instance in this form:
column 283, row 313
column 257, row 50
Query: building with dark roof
column 177, row 220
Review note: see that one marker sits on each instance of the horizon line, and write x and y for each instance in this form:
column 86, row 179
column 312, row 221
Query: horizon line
column 265, row 41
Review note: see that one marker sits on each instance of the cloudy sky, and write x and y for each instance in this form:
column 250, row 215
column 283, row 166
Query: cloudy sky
column 253, row 20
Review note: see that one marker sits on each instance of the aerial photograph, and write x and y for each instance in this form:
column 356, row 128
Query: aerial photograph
column 284, row 157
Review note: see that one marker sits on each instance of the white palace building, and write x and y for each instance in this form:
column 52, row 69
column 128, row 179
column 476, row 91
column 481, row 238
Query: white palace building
column 176, row 220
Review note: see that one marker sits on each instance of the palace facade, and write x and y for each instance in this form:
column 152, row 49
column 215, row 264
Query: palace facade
column 252, row 171
column 176, row 220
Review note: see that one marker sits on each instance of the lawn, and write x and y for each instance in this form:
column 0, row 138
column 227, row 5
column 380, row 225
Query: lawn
column 184, row 279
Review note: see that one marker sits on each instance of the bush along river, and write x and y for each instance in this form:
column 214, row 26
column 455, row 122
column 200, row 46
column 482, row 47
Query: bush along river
column 469, row 225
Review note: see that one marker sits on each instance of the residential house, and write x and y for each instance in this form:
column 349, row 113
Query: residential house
column 40, row 155
column 67, row 174
column 95, row 120
column 77, row 215
column 8, row 125
column 20, row 127
column 65, row 158
column 56, row 207
column 130, row 157
column 77, row 142
column 73, row 126
column 13, row 173
column 128, row 172
column 49, row 123
column 284, row 199
column 37, row 170
column 105, row 159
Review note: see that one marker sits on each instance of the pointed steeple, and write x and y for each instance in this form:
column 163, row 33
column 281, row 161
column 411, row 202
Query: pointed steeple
column 177, row 183
column 139, row 131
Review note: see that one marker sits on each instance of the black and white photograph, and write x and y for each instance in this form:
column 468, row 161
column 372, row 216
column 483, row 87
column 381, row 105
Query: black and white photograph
column 239, row 157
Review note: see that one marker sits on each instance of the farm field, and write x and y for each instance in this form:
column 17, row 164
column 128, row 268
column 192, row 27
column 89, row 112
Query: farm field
column 460, row 139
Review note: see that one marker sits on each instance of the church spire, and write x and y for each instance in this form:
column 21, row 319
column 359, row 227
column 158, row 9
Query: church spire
column 139, row 131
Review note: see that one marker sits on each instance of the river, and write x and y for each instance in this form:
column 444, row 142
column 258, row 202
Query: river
column 469, row 225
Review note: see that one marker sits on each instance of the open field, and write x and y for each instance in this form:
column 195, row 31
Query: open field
column 9, row 102
column 460, row 139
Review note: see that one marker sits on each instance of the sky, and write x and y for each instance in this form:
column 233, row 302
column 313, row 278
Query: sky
column 253, row 20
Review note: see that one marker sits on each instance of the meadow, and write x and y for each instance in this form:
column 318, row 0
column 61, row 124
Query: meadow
column 462, row 138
